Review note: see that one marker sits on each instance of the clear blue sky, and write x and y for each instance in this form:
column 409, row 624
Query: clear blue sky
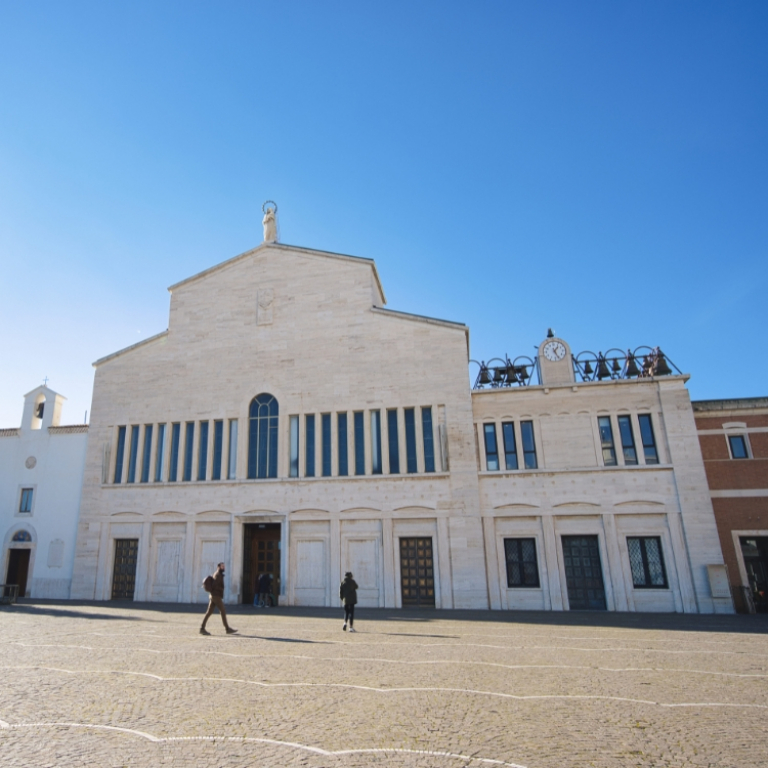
column 597, row 167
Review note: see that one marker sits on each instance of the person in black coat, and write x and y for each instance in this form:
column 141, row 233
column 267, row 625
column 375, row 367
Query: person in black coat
column 348, row 595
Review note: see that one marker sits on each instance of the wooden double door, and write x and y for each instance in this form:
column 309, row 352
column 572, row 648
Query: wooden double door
column 261, row 554
column 417, row 572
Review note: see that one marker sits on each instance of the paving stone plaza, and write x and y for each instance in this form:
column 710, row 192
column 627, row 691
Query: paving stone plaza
column 110, row 684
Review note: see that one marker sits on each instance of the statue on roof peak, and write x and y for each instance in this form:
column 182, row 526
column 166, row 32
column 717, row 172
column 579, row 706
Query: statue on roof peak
column 270, row 221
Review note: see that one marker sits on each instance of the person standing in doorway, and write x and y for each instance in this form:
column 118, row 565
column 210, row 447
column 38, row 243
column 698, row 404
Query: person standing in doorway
column 214, row 585
column 348, row 595
column 265, row 589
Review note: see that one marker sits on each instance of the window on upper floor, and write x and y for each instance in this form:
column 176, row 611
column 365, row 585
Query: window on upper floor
column 309, row 445
column 411, row 462
column 627, row 440
column 648, row 438
column 232, row 458
column 376, row 442
column 341, row 433
column 262, row 437
column 293, row 455
column 491, row 447
column 606, row 441
column 394, row 442
column 25, row 503
column 189, row 441
column 119, row 455
column 738, row 446
column 159, row 452
column 510, row 445
column 647, row 562
column 529, row 445
column 218, row 449
column 146, row 453
column 202, row 452
column 522, row 566
column 429, row 439
column 325, row 443
column 359, row 427
column 173, row 466
column 133, row 454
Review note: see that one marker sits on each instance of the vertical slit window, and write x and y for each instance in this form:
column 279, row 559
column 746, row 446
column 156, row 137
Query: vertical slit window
column 647, row 562
column 376, row 442
column 25, row 506
column 120, row 455
column 262, row 437
column 325, row 427
column 309, row 445
column 341, row 429
column 510, row 445
column 293, row 468
column 647, row 436
column 189, row 439
column 146, row 453
column 173, row 467
column 627, row 440
column 218, row 449
column 491, row 448
column 429, row 439
column 394, row 445
column 529, row 445
column 159, row 452
column 202, row 452
column 606, row 441
column 359, row 426
column 134, row 453
column 410, row 440
column 232, row 458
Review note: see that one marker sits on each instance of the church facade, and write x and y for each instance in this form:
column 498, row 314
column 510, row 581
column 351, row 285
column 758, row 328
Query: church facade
column 288, row 422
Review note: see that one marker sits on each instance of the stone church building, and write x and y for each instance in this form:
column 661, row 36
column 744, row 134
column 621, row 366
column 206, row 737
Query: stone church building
column 288, row 422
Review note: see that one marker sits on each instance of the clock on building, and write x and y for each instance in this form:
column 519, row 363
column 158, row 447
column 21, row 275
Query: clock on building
column 554, row 350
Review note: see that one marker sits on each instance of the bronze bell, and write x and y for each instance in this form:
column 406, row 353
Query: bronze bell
column 511, row 375
column 485, row 377
column 523, row 373
column 615, row 367
column 660, row 367
column 498, row 375
column 602, row 368
column 632, row 369
column 588, row 370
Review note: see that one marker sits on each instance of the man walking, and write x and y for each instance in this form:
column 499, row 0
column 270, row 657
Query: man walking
column 348, row 595
column 214, row 585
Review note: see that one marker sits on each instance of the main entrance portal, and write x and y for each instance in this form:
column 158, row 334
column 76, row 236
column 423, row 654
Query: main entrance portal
column 261, row 554
column 583, row 573
column 417, row 572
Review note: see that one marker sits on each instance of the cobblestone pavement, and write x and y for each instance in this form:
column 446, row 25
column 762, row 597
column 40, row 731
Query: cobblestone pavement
column 109, row 684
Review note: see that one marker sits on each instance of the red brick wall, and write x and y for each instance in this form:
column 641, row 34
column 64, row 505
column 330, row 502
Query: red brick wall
column 738, row 514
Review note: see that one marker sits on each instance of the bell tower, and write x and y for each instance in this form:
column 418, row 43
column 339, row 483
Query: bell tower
column 42, row 408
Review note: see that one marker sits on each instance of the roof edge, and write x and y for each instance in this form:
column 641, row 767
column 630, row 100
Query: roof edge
column 286, row 247
column 130, row 349
column 730, row 404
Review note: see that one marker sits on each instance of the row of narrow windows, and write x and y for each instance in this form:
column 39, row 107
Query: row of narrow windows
column 176, row 460
column 525, row 457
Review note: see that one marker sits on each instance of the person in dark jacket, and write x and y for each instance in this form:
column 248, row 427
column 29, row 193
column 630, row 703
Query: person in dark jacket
column 265, row 589
column 348, row 595
column 216, row 600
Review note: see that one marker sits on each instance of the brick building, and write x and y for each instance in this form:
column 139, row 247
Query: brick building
column 734, row 443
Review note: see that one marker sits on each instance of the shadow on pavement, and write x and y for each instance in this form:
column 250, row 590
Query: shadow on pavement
column 130, row 611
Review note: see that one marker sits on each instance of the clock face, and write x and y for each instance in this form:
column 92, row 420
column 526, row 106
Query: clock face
column 554, row 351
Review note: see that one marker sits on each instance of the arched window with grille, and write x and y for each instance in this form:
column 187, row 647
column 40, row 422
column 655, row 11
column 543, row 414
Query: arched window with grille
column 262, row 437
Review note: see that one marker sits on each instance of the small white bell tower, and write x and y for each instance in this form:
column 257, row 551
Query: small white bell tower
column 42, row 408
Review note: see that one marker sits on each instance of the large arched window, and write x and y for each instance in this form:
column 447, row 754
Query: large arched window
column 262, row 437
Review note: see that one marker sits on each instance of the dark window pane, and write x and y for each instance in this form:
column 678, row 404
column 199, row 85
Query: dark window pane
column 218, row 449
column 606, row 441
column 359, row 426
column 262, row 437
column 627, row 440
column 293, row 470
column 309, row 445
column 25, row 506
column 647, row 562
column 410, row 440
column 522, row 566
column 146, row 453
column 159, row 452
column 738, row 447
column 510, row 445
column 326, row 443
column 649, row 441
column 175, row 440
column 491, row 448
column 202, row 451
column 134, row 452
column 529, row 445
column 429, row 440
column 394, row 442
column 119, row 455
column 189, row 439
column 341, row 431
column 376, row 442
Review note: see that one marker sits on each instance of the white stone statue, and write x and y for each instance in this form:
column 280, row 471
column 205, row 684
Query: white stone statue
column 270, row 223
